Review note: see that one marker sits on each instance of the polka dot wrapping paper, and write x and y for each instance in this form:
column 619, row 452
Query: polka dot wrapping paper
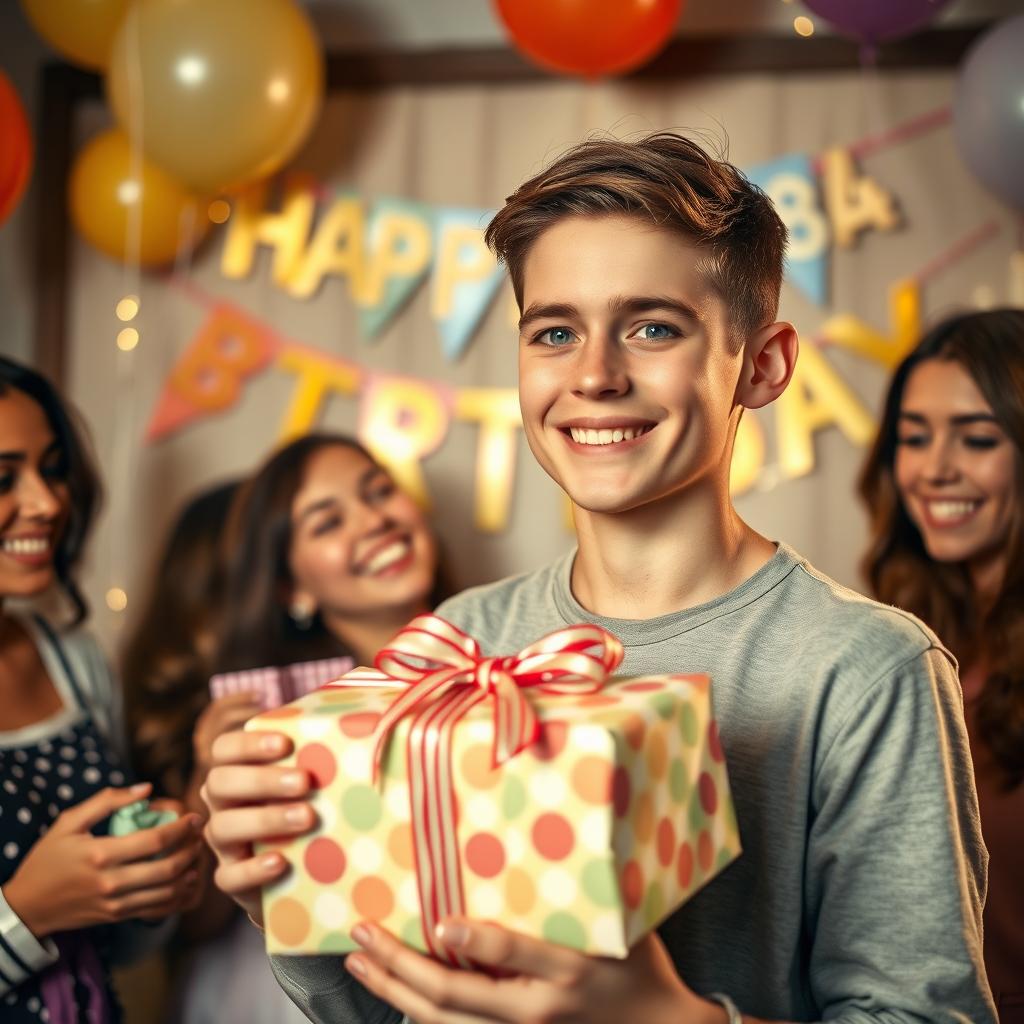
column 589, row 838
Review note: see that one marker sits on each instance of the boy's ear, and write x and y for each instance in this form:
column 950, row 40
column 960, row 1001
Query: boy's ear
column 769, row 358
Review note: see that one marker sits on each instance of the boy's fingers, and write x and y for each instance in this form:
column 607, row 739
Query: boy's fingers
column 233, row 718
column 250, row 747
column 83, row 816
column 443, row 987
column 240, row 826
column 229, row 785
column 247, row 877
column 406, row 998
column 494, row 946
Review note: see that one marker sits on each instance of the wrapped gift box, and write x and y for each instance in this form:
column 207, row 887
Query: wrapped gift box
column 588, row 837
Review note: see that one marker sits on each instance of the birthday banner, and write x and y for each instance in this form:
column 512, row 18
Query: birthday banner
column 384, row 249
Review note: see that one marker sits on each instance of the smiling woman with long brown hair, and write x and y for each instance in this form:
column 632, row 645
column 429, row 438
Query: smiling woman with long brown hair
column 944, row 484
column 326, row 556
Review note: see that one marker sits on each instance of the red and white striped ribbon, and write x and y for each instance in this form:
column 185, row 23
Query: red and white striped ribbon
column 446, row 675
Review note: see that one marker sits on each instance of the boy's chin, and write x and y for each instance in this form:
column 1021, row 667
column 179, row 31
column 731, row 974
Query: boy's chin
column 606, row 502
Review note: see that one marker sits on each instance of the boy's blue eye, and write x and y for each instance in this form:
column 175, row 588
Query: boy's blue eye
column 556, row 336
column 656, row 332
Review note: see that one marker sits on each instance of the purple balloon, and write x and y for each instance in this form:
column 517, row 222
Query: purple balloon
column 988, row 110
column 874, row 21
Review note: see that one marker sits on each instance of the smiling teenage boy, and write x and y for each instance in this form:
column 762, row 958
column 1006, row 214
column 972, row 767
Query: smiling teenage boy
column 648, row 277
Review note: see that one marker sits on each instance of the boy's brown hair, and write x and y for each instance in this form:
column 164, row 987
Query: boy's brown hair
column 670, row 181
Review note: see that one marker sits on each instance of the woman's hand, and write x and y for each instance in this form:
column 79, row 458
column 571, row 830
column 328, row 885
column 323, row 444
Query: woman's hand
column 72, row 879
column 537, row 981
column 251, row 800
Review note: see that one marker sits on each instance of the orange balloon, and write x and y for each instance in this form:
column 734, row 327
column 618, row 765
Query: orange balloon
column 81, row 30
column 15, row 148
column 590, row 37
column 130, row 209
column 218, row 92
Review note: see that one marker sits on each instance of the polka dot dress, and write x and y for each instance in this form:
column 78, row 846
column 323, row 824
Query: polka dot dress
column 41, row 779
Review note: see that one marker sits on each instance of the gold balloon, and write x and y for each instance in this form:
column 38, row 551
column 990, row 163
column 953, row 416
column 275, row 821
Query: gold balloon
column 218, row 93
column 130, row 209
column 81, row 30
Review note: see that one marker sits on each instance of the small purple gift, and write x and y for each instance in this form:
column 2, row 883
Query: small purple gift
column 281, row 684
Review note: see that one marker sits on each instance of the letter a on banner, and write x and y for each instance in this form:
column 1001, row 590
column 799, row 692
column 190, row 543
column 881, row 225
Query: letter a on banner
column 792, row 187
column 399, row 249
column 466, row 277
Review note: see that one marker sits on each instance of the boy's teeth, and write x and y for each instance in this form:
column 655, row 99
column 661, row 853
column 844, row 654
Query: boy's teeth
column 387, row 557
column 951, row 509
column 582, row 435
column 27, row 545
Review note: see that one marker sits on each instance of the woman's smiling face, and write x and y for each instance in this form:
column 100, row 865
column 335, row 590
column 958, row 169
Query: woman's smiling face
column 360, row 546
column 34, row 497
column 955, row 466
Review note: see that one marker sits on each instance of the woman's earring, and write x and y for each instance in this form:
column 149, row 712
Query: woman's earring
column 301, row 612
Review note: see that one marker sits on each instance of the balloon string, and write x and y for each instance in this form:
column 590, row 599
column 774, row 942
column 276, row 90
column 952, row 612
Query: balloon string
column 126, row 393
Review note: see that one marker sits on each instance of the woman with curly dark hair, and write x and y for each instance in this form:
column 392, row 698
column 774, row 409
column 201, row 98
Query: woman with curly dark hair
column 69, row 893
column 944, row 485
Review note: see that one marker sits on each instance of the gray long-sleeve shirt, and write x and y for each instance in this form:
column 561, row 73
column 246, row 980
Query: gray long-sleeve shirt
column 858, row 896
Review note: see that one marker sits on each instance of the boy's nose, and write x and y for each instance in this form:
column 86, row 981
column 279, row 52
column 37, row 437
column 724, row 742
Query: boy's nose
column 601, row 370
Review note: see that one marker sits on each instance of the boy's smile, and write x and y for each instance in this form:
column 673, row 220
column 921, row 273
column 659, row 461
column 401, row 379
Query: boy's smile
column 626, row 373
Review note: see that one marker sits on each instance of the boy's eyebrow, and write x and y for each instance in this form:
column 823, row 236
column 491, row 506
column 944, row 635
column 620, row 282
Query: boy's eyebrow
column 548, row 310
column 648, row 303
column 12, row 456
column 618, row 304
column 965, row 419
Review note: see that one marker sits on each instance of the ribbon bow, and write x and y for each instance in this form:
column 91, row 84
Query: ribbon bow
column 434, row 658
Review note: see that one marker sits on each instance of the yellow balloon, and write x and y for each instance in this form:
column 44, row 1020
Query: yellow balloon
column 219, row 92
column 81, row 30
column 130, row 209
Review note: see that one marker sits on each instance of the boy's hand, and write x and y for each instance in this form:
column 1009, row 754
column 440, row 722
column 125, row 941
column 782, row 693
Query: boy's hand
column 539, row 981
column 72, row 879
column 251, row 800
column 218, row 717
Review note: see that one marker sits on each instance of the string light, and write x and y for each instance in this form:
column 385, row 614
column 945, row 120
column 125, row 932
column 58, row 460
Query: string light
column 117, row 599
column 219, row 211
column 127, row 339
column 803, row 26
column 127, row 308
